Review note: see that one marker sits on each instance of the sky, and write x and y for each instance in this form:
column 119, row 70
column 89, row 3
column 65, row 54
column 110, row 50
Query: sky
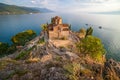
column 70, row 5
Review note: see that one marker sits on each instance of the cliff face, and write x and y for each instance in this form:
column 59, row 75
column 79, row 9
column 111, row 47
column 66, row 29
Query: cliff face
column 51, row 62
column 56, row 64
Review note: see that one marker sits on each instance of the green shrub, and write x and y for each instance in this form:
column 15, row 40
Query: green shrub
column 58, row 58
column 24, row 54
column 4, row 63
column 97, row 56
column 91, row 46
column 21, row 55
column 6, row 49
column 72, row 70
column 3, row 48
column 41, row 41
column 23, row 37
column 11, row 49
column 18, row 72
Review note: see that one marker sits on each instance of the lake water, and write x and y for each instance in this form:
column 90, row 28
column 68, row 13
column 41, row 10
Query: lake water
column 110, row 33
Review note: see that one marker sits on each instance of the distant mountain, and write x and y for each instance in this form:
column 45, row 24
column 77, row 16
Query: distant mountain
column 13, row 9
column 44, row 10
column 110, row 12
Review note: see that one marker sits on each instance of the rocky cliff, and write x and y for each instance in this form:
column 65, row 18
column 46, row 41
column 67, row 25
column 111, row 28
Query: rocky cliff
column 41, row 62
column 111, row 70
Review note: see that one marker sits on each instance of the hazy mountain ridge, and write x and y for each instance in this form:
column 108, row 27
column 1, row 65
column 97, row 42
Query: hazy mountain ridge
column 13, row 9
column 110, row 12
column 43, row 9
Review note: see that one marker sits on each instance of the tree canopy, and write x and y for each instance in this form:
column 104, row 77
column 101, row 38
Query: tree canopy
column 23, row 37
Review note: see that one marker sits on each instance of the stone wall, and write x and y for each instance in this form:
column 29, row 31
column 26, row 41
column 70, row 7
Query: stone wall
column 54, row 35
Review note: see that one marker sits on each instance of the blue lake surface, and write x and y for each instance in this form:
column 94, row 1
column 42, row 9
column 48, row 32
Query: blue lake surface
column 110, row 32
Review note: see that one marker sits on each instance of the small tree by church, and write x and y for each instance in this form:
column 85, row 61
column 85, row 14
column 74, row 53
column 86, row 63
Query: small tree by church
column 45, row 31
column 46, row 34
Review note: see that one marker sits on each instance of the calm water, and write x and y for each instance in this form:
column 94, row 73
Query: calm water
column 110, row 33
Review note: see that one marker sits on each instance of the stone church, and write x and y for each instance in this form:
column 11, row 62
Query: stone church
column 57, row 29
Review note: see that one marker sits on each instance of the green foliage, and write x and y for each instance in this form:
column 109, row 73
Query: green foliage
column 23, row 37
column 58, row 58
column 97, row 56
column 72, row 70
column 45, row 31
column 91, row 46
column 3, row 48
column 41, row 41
column 89, row 31
column 4, row 63
column 18, row 72
column 44, row 27
column 18, row 39
column 11, row 49
column 24, row 54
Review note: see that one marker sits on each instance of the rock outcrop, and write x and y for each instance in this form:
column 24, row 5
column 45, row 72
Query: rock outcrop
column 111, row 70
